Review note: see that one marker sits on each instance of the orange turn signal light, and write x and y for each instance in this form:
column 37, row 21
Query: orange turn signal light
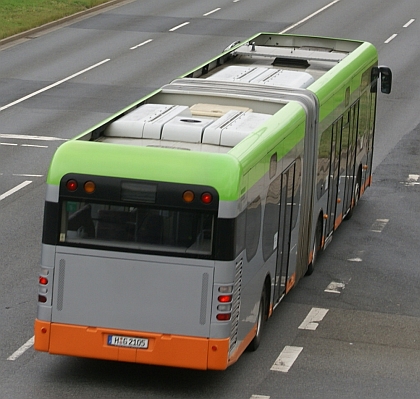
column 188, row 196
column 89, row 187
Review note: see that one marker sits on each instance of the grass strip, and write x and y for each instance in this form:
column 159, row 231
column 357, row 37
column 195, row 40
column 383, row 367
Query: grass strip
column 20, row 15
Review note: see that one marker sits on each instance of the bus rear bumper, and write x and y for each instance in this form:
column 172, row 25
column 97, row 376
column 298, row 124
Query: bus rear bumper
column 163, row 349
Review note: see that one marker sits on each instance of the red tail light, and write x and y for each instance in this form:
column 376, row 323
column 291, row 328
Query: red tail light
column 206, row 198
column 225, row 298
column 43, row 280
column 225, row 301
column 71, row 185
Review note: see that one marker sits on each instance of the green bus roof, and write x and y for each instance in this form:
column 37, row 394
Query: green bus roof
column 332, row 63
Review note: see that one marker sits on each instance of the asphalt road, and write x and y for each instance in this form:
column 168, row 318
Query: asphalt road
column 56, row 83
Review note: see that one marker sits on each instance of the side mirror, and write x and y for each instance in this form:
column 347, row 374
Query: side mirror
column 385, row 75
column 386, row 79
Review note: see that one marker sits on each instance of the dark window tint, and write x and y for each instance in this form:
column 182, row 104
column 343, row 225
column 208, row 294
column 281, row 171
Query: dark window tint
column 271, row 218
column 253, row 227
column 137, row 228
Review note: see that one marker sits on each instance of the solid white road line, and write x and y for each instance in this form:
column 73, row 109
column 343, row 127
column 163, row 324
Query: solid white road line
column 53, row 85
column 310, row 16
column 286, row 358
column 313, row 318
column 15, row 189
column 25, row 137
column 22, row 349
column 34, row 145
column 26, row 175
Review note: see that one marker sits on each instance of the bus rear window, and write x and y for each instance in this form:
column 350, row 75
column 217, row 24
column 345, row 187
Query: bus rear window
column 137, row 228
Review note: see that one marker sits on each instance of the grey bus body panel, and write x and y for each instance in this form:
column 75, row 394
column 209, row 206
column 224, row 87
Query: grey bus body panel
column 113, row 290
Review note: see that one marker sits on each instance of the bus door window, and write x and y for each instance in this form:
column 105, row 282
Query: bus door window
column 345, row 173
column 271, row 218
column 373, row 98
column 351, row 157
column 334, row 176
column 324, row 155
column 285, row 229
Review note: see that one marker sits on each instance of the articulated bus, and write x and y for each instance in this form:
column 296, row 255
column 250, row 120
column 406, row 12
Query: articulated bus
column 174, row 228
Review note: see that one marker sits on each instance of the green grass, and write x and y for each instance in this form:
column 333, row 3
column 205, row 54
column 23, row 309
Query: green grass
column 20, row 15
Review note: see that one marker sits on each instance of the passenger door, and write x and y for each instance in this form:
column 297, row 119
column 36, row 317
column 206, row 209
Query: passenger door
column 288, row 200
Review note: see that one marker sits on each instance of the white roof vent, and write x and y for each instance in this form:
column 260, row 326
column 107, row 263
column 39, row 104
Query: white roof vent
column 186, row 129
column 233, row 127
column 286, row 78
column 213, row 133
column 264, row 76
column 236, row 73
column 145, row 121
column 241, row 127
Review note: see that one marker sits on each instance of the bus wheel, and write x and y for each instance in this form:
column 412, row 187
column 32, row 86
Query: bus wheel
column 261, row 318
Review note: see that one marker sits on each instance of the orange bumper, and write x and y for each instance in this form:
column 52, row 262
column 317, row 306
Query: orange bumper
column 163, row 350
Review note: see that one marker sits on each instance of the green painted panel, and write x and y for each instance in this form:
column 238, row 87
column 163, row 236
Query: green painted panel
column 220, row 171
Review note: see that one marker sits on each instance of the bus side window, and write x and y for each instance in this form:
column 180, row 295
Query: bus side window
column 252, row 228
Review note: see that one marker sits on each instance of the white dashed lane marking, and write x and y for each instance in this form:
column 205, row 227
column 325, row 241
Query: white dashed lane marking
column 335, row 287
column 313, row 318
column 379, row 225
column 286, row 358
column 28, row 344
column 15, row 189
column 178, row 27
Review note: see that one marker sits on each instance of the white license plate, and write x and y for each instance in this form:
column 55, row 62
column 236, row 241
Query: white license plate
column 128, row 342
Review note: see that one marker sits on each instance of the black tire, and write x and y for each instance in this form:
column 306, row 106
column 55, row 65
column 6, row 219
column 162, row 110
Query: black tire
column 261, row 319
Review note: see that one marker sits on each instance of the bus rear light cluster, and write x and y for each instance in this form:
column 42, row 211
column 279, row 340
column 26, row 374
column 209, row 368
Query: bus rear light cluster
column 89, row 186
column 43, row 286
column 224, row 301
column 189, row 196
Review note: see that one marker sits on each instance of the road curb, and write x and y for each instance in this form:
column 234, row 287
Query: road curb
column 68, row 18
